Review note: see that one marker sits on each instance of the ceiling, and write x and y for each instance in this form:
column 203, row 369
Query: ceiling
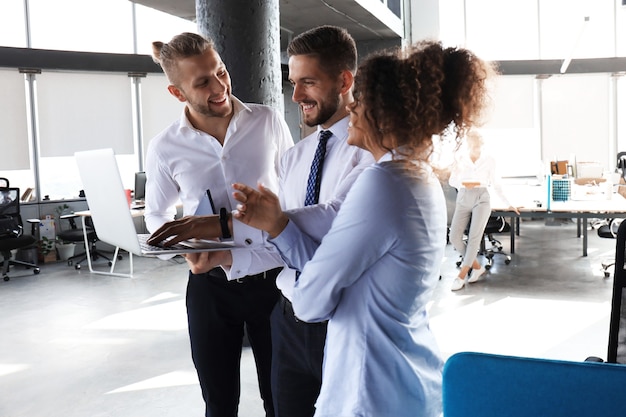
column 297, row 16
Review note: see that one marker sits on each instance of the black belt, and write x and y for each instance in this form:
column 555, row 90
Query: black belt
column 270, row 273
column 287, row 308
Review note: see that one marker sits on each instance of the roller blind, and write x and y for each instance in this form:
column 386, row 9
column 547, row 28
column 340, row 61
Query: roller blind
column 576, row 118
column 159, row 107
column 80, row 112
column 14, row 140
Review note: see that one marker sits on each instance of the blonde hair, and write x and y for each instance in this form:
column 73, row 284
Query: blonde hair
column 180, row 47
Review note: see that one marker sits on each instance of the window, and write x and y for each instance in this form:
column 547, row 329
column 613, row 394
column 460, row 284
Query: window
column 80, row 110
column 82, row 25
column 12, row 24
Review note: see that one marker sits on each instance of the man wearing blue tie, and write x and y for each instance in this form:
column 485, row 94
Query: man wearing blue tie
column 315, row 176
column 322, row 64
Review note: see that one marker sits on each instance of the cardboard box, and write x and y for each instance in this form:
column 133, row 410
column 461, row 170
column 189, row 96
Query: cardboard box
column 49, row 257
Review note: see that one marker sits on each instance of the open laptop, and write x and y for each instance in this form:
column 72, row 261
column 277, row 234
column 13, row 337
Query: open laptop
column 111, row 215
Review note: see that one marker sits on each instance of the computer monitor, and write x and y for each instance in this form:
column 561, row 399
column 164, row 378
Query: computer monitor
column 9, row 201
column 140, row 185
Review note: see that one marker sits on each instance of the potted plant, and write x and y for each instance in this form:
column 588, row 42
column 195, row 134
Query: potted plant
column 46, row 246
column 65, row 249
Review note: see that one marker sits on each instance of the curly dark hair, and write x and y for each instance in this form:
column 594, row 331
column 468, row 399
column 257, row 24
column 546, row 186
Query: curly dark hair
column 181, row 46
column 411, row 94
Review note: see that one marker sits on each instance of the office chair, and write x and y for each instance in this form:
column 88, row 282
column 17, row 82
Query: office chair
column 487, row 385
column 608, row 227
column 617, row 324
column 11, row 230
column 608, row 230
column 495, row 224
column 75, row 234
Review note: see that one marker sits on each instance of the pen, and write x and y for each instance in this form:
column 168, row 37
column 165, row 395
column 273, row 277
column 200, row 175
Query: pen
column 208, row 193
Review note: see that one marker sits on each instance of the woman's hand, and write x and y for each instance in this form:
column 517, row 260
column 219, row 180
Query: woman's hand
column 260, row 209
column 515, row 209
column 189, row 227
column 202, row 262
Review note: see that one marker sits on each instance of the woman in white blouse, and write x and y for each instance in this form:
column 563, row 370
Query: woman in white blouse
column 372, row 274
column 473, row 173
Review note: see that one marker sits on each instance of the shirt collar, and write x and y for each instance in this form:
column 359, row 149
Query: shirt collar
column 386, row 157
column 339, row 129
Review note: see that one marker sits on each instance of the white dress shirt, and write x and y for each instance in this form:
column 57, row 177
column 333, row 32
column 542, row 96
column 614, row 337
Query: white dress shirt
column 371, row 277
column 183, row 162
column 483, row 170
column 342, row 165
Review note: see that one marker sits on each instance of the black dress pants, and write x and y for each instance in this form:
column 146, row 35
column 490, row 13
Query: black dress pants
column 217, row 311
column 297, row 356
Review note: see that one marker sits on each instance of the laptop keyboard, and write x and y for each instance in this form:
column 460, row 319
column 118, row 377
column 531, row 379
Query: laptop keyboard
column 145, row 246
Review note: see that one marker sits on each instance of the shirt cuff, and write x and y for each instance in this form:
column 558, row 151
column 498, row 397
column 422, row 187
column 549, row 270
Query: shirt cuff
column 286, row 238
column 242, row 259
column 247, row 236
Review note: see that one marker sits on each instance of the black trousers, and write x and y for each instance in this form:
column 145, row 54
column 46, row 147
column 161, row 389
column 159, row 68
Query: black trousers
column 217, row 311
column 297, row 356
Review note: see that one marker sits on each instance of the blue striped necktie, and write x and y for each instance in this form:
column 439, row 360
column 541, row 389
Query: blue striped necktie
column 315, row 176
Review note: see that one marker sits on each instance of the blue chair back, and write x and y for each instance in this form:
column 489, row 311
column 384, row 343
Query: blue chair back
column 486, row 385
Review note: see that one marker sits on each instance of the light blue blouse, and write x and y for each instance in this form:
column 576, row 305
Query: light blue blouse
column 371, row 277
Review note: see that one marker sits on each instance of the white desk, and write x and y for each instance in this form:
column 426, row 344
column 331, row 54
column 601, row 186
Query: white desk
column 581, row 210
column 87, row 213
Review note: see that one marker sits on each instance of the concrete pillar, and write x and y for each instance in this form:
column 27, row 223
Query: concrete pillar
column 247, row 37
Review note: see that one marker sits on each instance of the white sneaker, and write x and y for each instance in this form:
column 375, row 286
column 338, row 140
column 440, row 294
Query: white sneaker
column 457, row 284
column 476, row 274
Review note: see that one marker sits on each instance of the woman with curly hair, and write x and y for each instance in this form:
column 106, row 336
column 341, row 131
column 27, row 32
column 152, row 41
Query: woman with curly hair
column 372, row 274
column 381, row 257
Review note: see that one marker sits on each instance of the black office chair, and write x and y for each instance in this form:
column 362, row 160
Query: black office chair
column 608, row 230
column 11, row 229
column 495, row 224
column 75, row 234
column 617, row 326
column 608, row 227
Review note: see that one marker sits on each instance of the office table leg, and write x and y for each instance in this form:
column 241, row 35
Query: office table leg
column 91, row 270
column 584, row 235
column 87, row 245
column 513, row 224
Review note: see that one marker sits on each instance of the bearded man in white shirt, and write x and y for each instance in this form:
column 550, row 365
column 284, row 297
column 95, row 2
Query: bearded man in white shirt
column 322, row 65
column 218, row 140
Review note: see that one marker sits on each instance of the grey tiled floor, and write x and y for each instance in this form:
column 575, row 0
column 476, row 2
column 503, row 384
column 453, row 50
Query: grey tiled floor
column 75, row 344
